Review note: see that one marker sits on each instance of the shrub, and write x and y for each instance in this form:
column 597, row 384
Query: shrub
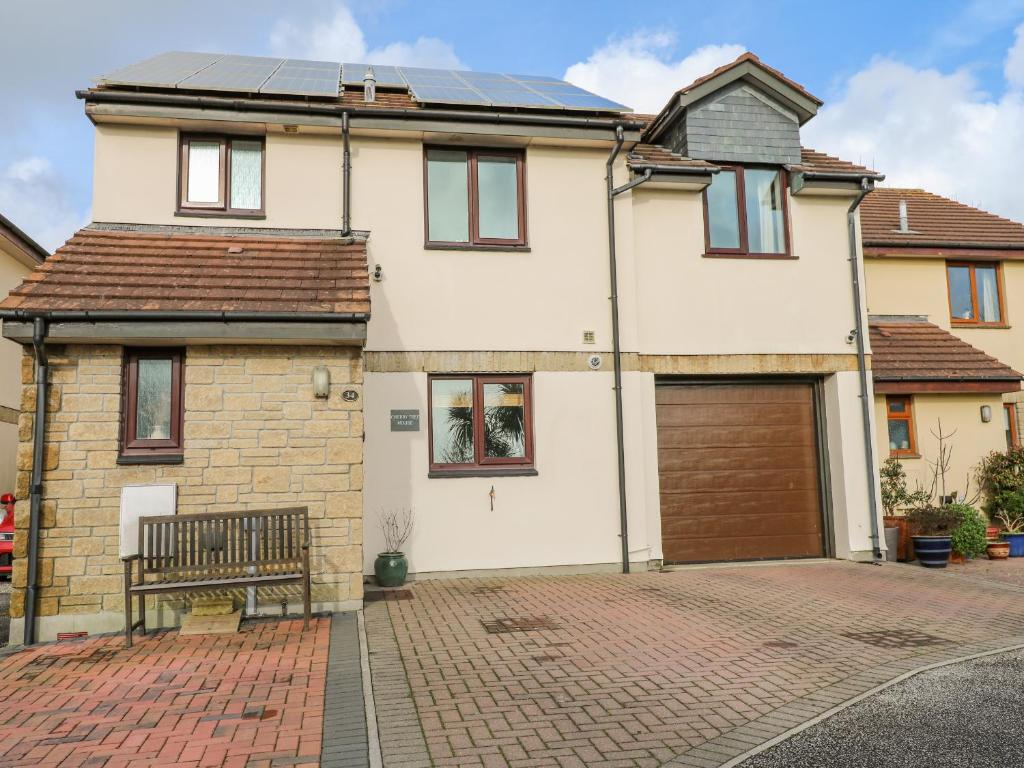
column 895, row 495
column 999, row 474
column 1007, row 510
column 933, row 521
column 969, row 538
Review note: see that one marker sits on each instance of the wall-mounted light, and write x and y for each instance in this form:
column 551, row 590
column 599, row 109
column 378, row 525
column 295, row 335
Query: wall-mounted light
column 378, row 273
column 986, row 413
column 321, row 382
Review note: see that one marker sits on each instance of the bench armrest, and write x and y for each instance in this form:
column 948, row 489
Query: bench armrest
column 129, row 558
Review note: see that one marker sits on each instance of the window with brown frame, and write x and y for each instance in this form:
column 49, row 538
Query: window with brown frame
column 480, row 423
column 221, row 175
column 152, row 404
column 745, row 213
column 1010, row 425
column 975, row 294
column 474, row 197
column 899, row 411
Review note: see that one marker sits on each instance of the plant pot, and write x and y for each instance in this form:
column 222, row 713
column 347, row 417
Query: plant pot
column 998, row 550
column 1016, row 542
column 391, row 568
column 892, row 544
column 932, row 551
column 992, row 532
column 904, row 547
column 957, row 558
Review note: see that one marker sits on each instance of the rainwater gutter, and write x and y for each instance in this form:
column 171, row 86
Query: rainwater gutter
column 866, row 186
column 36, row 482
column 620, row 442
column 346, row 173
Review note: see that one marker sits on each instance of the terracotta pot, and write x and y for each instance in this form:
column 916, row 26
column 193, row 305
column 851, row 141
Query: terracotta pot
column 998, row 550
column 957, row 558
column 992, row 532
column 905, row 547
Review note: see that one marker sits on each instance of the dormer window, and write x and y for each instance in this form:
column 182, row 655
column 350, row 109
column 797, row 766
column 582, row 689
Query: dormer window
column 745, row 213
column 221, row 175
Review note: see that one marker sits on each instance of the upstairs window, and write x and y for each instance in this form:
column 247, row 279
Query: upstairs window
column 745, row 213
column 221, row 175
column 152, row 404
column 474, row 197
column 900, row 417
column 975, row 294
column 1010, row 425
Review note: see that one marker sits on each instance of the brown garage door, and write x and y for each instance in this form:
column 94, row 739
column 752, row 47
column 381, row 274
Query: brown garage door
column 738, row 468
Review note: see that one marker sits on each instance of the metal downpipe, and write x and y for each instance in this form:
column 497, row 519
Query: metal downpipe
column 616, row 348
column 862, row 369
column 36, row 485
column 346, row 173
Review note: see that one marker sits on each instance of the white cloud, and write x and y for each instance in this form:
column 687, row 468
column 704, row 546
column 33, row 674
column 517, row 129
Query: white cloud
column 340, row 38
column 34, row 196
column 637, row 70
column 939, row 131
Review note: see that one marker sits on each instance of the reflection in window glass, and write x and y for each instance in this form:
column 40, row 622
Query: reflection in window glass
column 452, row 420
column 246, row 170
column 961, row 305
column 763, row 192
column 448, row 196
column 203, row 172
column 153, row 403
column 723, row 215
column 899, row 435
column 504, row 420
column 988, row 294
column 498, row 198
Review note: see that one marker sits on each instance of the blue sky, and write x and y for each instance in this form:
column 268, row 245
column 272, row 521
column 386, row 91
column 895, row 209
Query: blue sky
column 932, row 93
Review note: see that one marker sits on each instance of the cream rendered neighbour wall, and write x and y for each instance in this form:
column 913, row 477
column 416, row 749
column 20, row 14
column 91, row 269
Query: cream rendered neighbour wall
column 136, row 179
column 12, row 273
column 971, row 437
column 918, row 287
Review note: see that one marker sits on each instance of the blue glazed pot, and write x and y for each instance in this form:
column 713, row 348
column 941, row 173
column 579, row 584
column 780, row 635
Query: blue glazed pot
column 933, row 551
column 1016, row 541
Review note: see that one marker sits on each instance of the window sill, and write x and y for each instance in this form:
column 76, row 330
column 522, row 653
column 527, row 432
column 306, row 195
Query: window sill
column 154, row 458
column 755, row 256
column 894, row 455
column 485, row 472
column 982, row 326
column 472, row 247
column 199, row 214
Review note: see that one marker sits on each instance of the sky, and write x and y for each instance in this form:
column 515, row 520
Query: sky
column 929, row 93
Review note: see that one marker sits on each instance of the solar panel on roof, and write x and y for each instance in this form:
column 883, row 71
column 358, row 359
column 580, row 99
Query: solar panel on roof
column 515, row 97
column 305, row 78
column 165, row 70
column 447, row 94
column 352, row 74
column 233, row 73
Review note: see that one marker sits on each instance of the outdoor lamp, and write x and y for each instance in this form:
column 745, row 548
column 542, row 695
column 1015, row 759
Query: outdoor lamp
column 986, row 413
column 321, row 381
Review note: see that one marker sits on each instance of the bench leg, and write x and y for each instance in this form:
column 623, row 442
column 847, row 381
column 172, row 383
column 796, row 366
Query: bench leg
column 142, row 612
column 305, row 601
column 127, row 605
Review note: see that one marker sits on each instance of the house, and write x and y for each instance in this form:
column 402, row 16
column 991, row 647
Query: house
column 19, row 255
column 573, row 338
column 942, row 282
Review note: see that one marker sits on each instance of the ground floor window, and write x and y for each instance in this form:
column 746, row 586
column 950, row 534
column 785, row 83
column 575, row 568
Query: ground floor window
column 1010, row 424
column 900, row 417
column 152, row 397
column 480, row 422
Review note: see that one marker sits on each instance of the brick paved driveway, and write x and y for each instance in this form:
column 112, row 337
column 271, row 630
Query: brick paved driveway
column 690, row 667
column 254, row 699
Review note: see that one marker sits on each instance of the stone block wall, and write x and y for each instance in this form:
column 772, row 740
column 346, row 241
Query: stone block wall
column 255, row 437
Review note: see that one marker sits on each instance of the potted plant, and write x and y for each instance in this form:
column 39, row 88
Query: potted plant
column 391, row 566
column 1010, row 515
column 998, row 550
column 934, row 528
column 895, row 498
column 969, row 538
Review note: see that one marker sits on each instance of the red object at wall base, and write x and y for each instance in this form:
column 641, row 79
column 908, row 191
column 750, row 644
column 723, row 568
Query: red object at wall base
column 905, row 548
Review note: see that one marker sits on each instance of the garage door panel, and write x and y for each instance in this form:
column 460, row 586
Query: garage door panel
column 762, row 480
column 739, row 394
column 739, row 472
column 754, row 435
column 711, row 459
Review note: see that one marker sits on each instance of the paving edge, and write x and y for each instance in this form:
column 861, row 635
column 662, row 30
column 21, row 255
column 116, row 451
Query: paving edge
column 710, row 753
column 372, row 733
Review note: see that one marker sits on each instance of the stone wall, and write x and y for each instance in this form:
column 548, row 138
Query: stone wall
column 255, row 437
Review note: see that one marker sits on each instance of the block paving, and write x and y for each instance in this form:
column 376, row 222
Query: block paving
column 691, row 667
column 250, row 700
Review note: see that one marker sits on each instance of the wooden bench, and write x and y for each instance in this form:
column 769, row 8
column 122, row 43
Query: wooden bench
column 217, row 550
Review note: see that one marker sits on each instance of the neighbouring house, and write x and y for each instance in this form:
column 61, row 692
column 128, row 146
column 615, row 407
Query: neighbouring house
column 943, row 279
column 19, row 255
column 249, row 212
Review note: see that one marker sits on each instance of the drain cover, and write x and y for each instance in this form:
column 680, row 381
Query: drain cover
column 483, row 591
column 518, row 624
column 390, row 594
column 897, row 638
column 781, row 644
